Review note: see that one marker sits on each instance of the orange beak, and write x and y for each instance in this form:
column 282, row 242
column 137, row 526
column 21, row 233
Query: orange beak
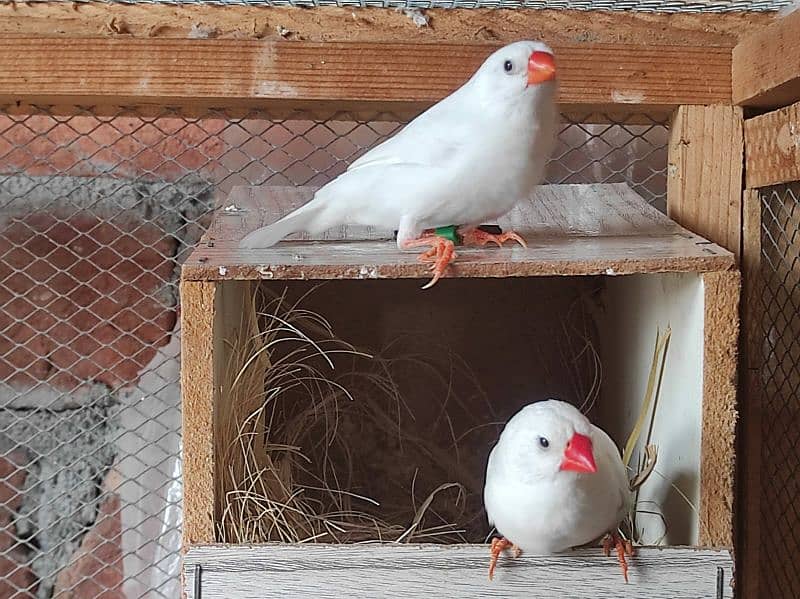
column 578, row 456
column 541, row 68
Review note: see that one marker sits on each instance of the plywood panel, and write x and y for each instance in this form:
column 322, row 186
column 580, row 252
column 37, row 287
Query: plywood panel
column 704, row 174
column 148, row 20
column 197, row 407
column 720, row 357
column 570, row 229
column 367, row 571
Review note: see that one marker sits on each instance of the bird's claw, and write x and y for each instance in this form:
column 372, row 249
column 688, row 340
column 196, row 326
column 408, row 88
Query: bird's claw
column 441, row 253
column 498, row 546
column 623, row 547
column 480, row 237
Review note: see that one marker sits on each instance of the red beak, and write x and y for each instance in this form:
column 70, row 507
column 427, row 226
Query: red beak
column 578, row 455
column 541, row 68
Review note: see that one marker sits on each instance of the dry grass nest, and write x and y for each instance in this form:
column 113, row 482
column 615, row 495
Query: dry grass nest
column 321, row 441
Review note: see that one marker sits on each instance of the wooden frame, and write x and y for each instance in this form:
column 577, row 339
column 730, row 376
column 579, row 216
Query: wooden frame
column 772, row 157
column 218, row 261
column 366, row 571
column 340, row 75
column 773, row 147
column 765, row 65
column 611, row 63
column 704, row 172
column 144, row 58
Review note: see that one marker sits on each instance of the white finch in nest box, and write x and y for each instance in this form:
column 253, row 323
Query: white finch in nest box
column 464, row 162
column 555, row 481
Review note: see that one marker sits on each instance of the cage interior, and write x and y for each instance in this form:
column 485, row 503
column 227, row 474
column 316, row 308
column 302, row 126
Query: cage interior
column 98, row 212
column 394, row 446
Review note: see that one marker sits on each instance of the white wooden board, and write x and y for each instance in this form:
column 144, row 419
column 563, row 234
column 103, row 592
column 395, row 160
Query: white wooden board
column 438, row 572
column 570, row 230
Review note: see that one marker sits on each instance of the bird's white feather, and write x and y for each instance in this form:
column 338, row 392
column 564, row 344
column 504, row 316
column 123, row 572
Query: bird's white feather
column 465, row 161
column 545, row 510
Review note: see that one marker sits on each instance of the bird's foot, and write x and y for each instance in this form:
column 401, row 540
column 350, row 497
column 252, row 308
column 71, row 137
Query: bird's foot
column 498, row 546
column 623, row 547
column 480, row 237
column 441, row 253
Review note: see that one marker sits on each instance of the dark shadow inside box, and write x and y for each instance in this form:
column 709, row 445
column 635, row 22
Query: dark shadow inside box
column 365, row 410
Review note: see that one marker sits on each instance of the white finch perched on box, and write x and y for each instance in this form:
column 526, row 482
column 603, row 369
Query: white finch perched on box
column 465, row 161
column 555, row 481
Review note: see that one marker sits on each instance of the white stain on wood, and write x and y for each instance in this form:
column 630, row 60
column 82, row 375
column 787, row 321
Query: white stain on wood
column 440, row 572
column 627, row 97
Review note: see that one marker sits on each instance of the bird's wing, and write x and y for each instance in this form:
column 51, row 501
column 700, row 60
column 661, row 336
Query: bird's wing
column 434, row 137
column 488, row 489
column 609, row 453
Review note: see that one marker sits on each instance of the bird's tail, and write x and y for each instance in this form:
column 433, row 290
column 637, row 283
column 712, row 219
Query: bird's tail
column 271, row 234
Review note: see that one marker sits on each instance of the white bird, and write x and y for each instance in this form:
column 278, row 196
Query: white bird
column 555, row 481
column 465, row 161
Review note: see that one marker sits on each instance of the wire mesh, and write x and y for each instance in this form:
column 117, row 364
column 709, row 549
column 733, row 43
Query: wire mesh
column 778, row 327
column 96, row 215
column 633, row 5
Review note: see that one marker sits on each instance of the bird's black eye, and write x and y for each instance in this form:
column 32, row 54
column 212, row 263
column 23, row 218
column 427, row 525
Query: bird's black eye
column 544, row 443
column 508, row 65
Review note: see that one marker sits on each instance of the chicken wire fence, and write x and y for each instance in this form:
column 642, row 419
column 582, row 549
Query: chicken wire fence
column 96, row 215
column 777, row 326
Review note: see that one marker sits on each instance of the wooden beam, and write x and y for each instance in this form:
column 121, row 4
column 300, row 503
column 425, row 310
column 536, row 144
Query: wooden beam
column 182, row 21
column 766, row 65
column 704, row 172
column 338, row 75
column 772, row 147
column 197, row 400
column 718, row 457
column 749, row 447
column 365, row 571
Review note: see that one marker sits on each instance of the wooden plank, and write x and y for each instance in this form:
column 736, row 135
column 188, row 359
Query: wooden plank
column 367, row 571
column 718, row 456
column 155, row 20
column 772, row 147
column 197, row 405
column 749, row 447
column 766, row 65
column 340, row 75
column 704, row 173
column 570, row 230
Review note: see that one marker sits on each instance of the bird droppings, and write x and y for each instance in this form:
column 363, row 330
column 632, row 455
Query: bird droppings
column 199, row 31
column 610, row 271
column 266, row 272
column 788, row 138
column 297, row 257
column 232, row 208
column 627, row 97
column 223, row 270
column 283, row 32
column 370, row 272
column 419, row 18
column 276, row 88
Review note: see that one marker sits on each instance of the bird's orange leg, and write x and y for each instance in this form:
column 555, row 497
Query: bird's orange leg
column 498, row 546
column 480, row 237
column 623, row 548
column 441, row 253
